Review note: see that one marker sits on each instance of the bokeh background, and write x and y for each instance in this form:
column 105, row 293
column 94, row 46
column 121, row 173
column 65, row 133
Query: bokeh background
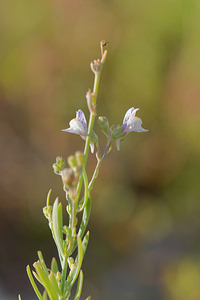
column 145, row 223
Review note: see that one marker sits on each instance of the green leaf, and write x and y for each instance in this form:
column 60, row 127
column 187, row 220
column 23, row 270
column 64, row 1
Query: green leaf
column 84, row 222
column 54, row 282
column 60, row 221
column 79, row 286
column 88, row 298
column 33, row 283
column 48, row 197
column 36, row 276
column 42, row 262
column 45, row 296
column 70, row 283
column 85, row 218
column 57, row 226
column 84, row 244
column 79, row 262
column 54, row 265
column 19, row 297
column 45, row 281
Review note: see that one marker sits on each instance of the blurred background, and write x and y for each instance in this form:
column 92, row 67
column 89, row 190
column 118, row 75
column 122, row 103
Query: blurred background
column 145, row 223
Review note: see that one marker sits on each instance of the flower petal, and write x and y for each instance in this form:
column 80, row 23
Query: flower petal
column 81, row 117
column 76, row 127
column 136, row 126
column 130, row 114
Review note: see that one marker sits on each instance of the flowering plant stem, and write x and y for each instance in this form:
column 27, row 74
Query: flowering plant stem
column 90, row 128
column 59, row 285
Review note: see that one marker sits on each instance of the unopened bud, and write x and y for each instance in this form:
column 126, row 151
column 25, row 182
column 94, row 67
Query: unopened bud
column 58, row 276
column 58, row 165
column 47, row 210
column 67, row 177
column 103, row 123
column 72, row 161
column 70, row 261
column 65, row 230
column 79, row 157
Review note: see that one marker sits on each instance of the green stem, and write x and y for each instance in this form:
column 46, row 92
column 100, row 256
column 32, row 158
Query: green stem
column 95, row 174
column 90, row 127
column 86, row 191
column 99, row 161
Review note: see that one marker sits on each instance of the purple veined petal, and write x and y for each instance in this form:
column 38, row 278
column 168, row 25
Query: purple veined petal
column 81, row 117
column 130, row 114
column 136, row 126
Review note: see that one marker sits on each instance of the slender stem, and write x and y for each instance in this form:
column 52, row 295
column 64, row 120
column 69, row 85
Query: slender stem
column 86, row 191
column 95, row 174
column 90, row 127
column 99, row 161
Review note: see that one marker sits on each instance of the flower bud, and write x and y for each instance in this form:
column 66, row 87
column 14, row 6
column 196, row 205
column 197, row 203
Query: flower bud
column 58, row 165
column 67, row 177
column 103, row 123
column 47, row 210
column 79, row 157
column 58, row 276
column 70, row 261
column 72, row 161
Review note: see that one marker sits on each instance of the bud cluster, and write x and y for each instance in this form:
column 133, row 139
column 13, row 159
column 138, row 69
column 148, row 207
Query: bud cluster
column 69, row 175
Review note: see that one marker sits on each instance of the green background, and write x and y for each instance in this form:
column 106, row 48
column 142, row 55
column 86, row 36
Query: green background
column 145, row 223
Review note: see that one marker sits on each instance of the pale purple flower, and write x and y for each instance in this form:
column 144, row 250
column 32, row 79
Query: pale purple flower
column 130, row 123
column 78, row 126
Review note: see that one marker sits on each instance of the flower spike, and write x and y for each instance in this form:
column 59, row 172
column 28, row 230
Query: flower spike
column 78, row 126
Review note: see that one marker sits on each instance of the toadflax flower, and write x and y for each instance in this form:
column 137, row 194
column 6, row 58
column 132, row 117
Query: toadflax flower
column 78, row 126
column 130, row 123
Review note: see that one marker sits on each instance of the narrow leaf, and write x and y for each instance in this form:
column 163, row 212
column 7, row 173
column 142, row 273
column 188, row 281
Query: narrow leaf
column 84, row 244
column 36, row 276
column 48, row 197
column 33, row 283
column 79, row 286
column 45, row 281
column 84, row 222
column 60, row 221
column 45, row 296
column 85, row 218
column 54, row 283
column 86, row 191
column 75, row 272
column 42, row 262
column 56, row 219
column 54, row 265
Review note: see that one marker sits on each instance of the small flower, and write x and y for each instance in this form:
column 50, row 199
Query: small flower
column 79, row 126
column 130, row 123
